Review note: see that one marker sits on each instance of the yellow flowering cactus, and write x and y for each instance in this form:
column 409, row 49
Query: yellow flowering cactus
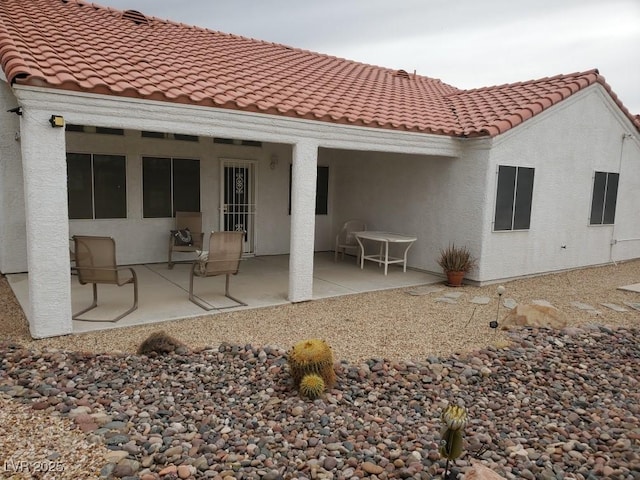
column 454, row 419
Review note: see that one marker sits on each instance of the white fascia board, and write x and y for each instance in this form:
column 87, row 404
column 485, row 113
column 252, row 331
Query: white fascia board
column 136, row 114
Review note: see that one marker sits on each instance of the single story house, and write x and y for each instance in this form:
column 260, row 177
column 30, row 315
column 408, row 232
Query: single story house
column 532, row 177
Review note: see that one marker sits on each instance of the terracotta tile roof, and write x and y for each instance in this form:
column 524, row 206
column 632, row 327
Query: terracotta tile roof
column 73, row 45
column 494, row 110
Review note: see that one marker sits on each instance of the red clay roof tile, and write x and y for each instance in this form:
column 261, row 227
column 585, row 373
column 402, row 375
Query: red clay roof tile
column 79, row 46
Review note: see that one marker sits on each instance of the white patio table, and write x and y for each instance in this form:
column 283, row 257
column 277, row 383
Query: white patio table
column 384, row 239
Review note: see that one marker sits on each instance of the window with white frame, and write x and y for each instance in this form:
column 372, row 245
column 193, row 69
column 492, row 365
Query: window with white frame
column 604, row 198
column 514, row 198
column 96, row 186
column 170, row 185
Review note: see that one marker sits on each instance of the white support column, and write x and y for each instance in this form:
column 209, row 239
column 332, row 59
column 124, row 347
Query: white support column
column 303, row 217
column 13, row 251
column 44, row 169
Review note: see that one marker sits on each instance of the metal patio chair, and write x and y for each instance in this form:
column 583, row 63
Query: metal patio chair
column 95, row 263
column 191, row 221
column 223, row 258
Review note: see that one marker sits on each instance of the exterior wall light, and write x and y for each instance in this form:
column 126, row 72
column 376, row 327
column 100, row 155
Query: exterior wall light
column 56, row 121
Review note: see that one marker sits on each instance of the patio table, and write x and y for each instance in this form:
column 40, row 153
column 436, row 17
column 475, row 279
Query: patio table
column 384, row 239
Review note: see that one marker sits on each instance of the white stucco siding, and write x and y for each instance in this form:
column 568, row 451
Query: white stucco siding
column 48, row 262
column 273, row 225
column 13, row 248
column 149, row 243
column 626, row 231
column 303, row 204
column 436, row 198
column 276, row 133
column 566, row 145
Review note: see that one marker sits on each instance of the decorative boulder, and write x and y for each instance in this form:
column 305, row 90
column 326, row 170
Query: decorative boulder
column 479, row 472
column 534, row 315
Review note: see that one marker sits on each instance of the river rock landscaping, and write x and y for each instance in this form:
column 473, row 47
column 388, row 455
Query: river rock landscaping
column 552, row 405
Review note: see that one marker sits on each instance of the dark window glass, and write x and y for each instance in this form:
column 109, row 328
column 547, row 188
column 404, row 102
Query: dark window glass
column 597, row 201
column 70, row 127
column 109, row 131
column 186, row 185
column 504, row 198
column 223, row 141
column 156, row 185
column 96, row 186
column 514, row 198
column 186, row 138
column 168, row 185
column 611, row 198
column 604, row 199
column 251, row 143
column 322, row 190
column 110, row 186
column 147, row 134
column 79, row 185
column 524, row 196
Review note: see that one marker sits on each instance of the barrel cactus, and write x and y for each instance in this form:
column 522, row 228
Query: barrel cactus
column 312, row 356
column 312, row 386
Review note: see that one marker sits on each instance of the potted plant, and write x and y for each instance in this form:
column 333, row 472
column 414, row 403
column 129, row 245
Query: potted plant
column 456, row 262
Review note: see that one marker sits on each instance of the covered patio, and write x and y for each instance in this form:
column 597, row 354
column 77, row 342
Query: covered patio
column 301, row 180
column 261, row 282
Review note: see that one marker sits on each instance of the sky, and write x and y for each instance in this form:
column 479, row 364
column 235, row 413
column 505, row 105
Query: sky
column 465, row 43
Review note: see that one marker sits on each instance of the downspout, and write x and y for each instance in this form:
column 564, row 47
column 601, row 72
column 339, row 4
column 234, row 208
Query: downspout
column 614, row 241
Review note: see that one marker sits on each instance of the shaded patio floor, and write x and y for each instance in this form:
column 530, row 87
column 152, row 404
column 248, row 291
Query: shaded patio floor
column 262, row 281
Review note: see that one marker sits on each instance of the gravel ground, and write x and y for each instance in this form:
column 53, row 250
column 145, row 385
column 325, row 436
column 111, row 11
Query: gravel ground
column 389, row 324
column 551, row 405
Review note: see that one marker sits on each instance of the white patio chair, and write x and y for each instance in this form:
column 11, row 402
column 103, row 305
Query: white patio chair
column 346, row 240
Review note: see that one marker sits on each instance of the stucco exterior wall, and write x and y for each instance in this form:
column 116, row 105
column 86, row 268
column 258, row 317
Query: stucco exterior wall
column 274, row 221
column 438, row 199
column 43, row 160
column 13, row 247
column 150, row 242
column 566, row 145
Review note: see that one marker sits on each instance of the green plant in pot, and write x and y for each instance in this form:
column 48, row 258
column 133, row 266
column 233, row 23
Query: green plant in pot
column 456, row 262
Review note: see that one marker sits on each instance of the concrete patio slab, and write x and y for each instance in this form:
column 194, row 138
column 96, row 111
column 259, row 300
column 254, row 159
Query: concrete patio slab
column 262, row 281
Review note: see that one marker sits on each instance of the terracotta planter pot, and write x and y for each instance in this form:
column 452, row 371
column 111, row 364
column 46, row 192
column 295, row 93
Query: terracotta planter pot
column 454, row 279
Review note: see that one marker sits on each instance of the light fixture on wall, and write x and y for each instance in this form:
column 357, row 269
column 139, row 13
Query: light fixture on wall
column 274, row 161
column 56, row 121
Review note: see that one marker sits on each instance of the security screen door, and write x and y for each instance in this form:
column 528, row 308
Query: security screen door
column 238, row 200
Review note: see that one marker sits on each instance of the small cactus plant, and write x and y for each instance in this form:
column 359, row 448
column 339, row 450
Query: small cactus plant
column 454, row 419
column 312, row 386
column 312, row 356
